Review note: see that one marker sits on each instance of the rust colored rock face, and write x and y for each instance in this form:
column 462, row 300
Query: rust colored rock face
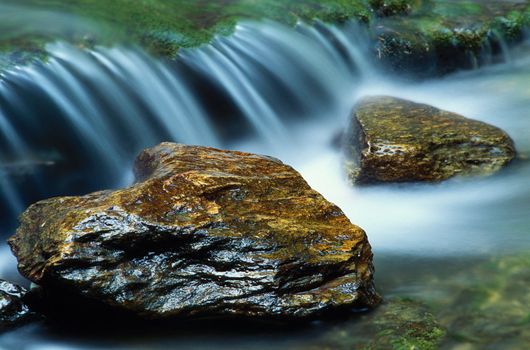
column 203, row 232
column 395, row 140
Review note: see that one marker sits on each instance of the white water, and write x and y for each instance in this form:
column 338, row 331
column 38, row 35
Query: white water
column 284, row 93
column 108, row 104
column 106, row 96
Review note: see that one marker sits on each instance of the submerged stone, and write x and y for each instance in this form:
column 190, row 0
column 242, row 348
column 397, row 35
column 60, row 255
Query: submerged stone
column 395, row 140
column 203, row 232
column 492, row 304
column 398, row 323
column 13, row 309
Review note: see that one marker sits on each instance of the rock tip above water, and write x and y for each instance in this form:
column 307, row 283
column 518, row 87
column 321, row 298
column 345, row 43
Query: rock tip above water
column 396, row 140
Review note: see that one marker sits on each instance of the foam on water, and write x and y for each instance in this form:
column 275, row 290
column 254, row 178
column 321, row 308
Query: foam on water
column 98, row 108
column 106, row 96
column 271, row 90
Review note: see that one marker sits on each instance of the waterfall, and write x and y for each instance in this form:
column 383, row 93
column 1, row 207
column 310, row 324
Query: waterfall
column 73, row 124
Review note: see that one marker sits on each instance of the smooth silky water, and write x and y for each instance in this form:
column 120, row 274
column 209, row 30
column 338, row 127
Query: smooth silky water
column 74, row 124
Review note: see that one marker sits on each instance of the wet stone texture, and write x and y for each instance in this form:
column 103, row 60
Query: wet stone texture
column 203, row 232
column 395, row 140
column 13, row 310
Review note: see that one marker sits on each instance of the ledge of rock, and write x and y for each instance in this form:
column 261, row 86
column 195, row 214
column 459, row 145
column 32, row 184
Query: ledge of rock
column 13, row 310
column 440, row 37
column 395, row 140
column 203, row 232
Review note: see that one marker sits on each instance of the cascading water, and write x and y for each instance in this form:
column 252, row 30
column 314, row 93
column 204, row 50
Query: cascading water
column 75, row 123
column 91, row 111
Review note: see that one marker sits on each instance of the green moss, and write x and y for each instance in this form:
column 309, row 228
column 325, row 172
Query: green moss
column 165, row 26
column 512, row 23
column 441, row 36
column 28, row 50
column 486, row 303
column 407, row 325
column 393, row 7
column 457, row 9
column 398, row 324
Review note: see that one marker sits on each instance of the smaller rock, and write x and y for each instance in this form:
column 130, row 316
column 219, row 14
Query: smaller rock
column 395, row 140
column 13, row 310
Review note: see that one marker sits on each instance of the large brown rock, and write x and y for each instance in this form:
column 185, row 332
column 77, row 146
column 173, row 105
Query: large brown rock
column 203, row 232
column 395, row 140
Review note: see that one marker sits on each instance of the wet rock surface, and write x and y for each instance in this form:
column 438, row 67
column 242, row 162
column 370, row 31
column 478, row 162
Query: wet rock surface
column 203, row 232
column 13, row 309
column 395, row 140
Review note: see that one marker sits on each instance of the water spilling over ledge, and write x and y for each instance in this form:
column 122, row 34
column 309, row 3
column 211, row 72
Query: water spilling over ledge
column 84, row 114
column 74, row 124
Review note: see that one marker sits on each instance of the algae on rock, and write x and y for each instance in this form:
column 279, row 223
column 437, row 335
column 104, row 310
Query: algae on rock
column 492, row 309
column 395, row 140
column 410, row 34
column 396, row 324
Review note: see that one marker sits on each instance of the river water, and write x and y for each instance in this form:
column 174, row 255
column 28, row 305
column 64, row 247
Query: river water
column 74, row 124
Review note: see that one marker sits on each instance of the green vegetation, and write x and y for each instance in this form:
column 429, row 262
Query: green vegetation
column 448, row 34
column 481, row 304
column 165, row 26
column 385, row 8
column 398, row 324
column 466, row 20
column 406, row 325
column 493, row 293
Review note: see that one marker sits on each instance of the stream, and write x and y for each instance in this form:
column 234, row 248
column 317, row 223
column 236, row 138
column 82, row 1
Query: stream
column 74, row 124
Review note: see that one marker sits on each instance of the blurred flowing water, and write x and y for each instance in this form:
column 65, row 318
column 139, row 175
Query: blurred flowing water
column 74, row 124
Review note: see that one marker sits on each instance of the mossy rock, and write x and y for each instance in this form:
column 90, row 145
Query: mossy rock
column 395, row 140
column 439, row 37
column 162, row 27
column 385, row 8
column 409, row 34
column 492, row 308
column 397, row 324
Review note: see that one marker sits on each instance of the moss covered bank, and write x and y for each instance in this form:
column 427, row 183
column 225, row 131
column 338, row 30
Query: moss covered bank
column 406, row 32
